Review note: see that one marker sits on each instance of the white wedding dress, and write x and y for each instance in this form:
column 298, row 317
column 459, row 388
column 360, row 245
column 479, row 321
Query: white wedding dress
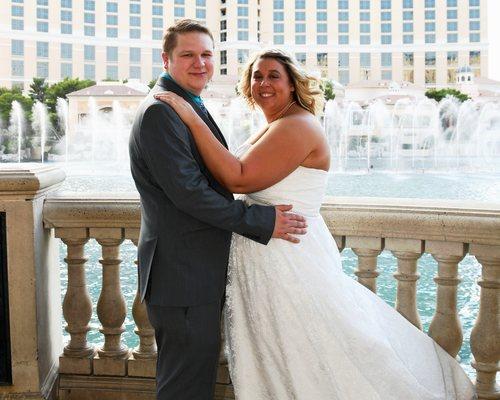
column 298, row 328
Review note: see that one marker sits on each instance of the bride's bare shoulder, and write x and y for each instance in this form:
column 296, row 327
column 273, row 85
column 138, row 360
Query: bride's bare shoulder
column 303, row 124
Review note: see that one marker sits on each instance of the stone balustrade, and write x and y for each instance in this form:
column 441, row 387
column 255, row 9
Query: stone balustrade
column 407, row 228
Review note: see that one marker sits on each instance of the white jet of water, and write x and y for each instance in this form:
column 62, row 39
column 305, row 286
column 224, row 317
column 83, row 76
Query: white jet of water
column 62, row 114
column 40, row 124
column 16, row 122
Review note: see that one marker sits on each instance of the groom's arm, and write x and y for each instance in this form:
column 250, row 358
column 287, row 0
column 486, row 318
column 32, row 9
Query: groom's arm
column 165, row 145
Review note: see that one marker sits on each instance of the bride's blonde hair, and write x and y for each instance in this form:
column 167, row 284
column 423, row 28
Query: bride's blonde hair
column 307, row 94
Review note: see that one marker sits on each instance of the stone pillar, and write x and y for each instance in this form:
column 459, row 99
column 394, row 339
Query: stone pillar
column 407, row 252
column 484, row 338
column 33, row 281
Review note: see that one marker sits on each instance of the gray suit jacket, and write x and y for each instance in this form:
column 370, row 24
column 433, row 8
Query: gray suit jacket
column 186, row 216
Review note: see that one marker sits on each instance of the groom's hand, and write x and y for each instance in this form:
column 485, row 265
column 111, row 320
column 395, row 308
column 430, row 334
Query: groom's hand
column 288, row 224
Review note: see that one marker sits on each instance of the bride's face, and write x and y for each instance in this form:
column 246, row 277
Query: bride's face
column 271, row 87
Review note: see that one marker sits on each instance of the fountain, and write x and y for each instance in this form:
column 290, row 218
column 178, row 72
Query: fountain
column 62, row 115
column 40, row 124
column 16, row 125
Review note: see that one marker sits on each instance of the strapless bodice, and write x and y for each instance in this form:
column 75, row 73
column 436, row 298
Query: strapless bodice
column 304, row 188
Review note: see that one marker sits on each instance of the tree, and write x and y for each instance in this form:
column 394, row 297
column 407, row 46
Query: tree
column 38, row 89
column 7, row 97
column 440, row 94
column 152, row 83
column 327, row 88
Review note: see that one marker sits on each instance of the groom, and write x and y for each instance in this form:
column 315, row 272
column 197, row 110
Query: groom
column 186, row 222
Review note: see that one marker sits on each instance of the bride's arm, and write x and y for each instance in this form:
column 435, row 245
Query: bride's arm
column 279, row 152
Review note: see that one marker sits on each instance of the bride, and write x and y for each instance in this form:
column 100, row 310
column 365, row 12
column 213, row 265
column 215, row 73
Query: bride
column 297, row 327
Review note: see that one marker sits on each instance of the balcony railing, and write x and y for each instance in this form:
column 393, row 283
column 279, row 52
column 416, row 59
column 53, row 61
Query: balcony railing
column 408, row 228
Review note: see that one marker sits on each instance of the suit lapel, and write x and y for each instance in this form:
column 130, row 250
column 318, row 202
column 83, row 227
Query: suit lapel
column 167, row 84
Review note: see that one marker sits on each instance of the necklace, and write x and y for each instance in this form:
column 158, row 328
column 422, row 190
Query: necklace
column 283, row 111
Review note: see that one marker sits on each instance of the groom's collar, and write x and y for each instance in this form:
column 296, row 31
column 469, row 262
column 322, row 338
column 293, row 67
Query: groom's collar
column 197, row 99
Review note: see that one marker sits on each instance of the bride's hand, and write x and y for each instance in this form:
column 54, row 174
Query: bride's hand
column 180, row 106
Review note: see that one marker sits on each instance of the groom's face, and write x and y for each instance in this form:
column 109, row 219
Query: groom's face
column 190, row 63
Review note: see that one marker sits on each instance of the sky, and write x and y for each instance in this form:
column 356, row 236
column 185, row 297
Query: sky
column 494, row 39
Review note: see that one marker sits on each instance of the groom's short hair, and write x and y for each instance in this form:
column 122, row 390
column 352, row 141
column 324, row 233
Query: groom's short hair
column 180, row 27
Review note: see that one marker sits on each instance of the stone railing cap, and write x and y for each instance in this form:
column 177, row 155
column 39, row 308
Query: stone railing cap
column 29, row 179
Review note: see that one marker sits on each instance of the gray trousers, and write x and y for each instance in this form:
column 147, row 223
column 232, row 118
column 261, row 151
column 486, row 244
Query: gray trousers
column 188, row 340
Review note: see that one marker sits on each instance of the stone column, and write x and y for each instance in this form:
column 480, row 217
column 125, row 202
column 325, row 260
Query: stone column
column 484, row 338
column 445, row 327
column 33, row 280
column 367, row 249
column 407, row 252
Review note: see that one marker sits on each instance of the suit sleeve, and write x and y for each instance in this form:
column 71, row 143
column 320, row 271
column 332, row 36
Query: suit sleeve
column 165, row 145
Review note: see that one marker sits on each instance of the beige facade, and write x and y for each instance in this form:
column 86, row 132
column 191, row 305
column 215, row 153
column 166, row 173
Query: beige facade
column 421, row 41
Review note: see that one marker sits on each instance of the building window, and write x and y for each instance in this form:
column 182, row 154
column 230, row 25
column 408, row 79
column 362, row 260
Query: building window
column 111, row 7
column 430, row 76
column 89, row 30
column 452, row 58
column 431, row 27
column 300, row 39
column 17, row 67
column 112, row 19
column 475, row 58
column 223, row 71
column 451, row 14
column 407, row 3
column 89, row 52
column 18, row 25
column 112, row 72
column 156, row 56
column 111, row 53
column 430, row 38
column 386, row 59
column 242, row 35
column 136, row 21
column 242, row 11
column 300, row 4
column 364, row 39
column 474, row 37
column 365, row 59
column 386, row 28
column 158, row 10
column 343, row 4
column 242, row 23
column 135, row 72
column 111, row 32
column 451, row 3
column 66, row 15
column 343, row 28
column 473, row 13
column 364, row 16
column 66, row 3
column 430, row 3
column 66, row 51
column 452, row 38
column 364, row 28
column 385, row 5
column 278, row 39
column 430, row 14
column 201, row 13
column 243, row 55
column 300, row 28
column 407, row 15
column 322, row 59
column 179, row 12
column 157, row 35
column 386, row 39
column 344, row 77
column 343, row 16
column 343, row 39
column 387, row 75
column 42, row 69
column 386, row 16
column 321, row 39
column 300, row 16
column 321, row 16
column 135, row 55
column 42, row 26
column 474, row 25
column 89, row 18
column 89, row 71
column 67, row 29
column 17, row 47
column 430, row 58
column 301, row 58
column 42, row 49
column 408, row 27
column 408, row 75
column 278, row 4
column 66, row 70
column 135, row 8
column 344, row 60
column 364, row 4
column 408, row 59
column 407, row 39
column 42, row 13
column 89, row 5
column 452, row 26
column 278, row 16
column 223, row 36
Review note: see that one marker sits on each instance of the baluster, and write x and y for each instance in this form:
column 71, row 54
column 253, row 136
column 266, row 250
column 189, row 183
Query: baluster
column 445, row 327
column 367, row 249
column 77, row 308
column 143, row 362
column 484, row 339
column 111, row 309
column 407, row 252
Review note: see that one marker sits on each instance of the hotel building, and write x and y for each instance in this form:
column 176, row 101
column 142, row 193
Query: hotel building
column 420, row 41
